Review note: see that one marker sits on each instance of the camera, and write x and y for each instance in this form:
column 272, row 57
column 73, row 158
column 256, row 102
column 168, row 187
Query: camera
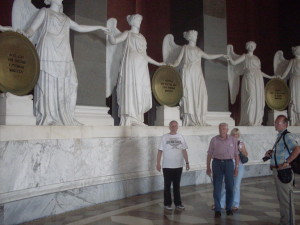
column 266, row 158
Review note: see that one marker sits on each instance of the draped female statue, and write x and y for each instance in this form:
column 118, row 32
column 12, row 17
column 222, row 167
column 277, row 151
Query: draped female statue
column 252, row 90
column 290, row 69
column 129, row 69
column 55, row 93
column 189, row 57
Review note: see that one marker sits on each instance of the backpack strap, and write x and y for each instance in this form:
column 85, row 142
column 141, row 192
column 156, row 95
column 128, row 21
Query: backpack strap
column 283, row 136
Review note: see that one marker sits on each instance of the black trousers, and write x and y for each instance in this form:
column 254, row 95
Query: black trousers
column 172, row 176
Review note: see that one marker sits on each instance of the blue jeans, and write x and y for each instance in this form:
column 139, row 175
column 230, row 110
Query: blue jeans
column 223, row 170
column 236, row 188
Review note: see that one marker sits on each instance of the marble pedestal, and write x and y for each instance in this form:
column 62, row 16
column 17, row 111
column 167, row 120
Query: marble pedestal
column 165, row 114
column 16, row 110
column 272, row 114
column 93, row 116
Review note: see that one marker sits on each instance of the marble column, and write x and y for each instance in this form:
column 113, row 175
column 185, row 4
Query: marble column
column 90, row 52
column 214, row 42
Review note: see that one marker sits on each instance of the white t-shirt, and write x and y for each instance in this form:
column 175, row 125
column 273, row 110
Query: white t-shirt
column 172, row 146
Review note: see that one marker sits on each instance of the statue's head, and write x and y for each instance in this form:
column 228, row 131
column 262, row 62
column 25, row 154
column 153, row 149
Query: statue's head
column 296, row 50
column 59, row 2
column 134, row 20
column 190, row 35
column 250, row 45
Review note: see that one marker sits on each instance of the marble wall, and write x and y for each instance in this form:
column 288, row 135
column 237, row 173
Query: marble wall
column 51, row 170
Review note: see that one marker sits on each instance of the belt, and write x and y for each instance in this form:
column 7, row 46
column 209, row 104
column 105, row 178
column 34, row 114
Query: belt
column 222, row 160
column 272, row 167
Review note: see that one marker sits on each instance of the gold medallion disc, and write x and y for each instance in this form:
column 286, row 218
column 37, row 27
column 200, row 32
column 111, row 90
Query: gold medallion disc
column 19, row 64
column 277, row 94
column 167, row 86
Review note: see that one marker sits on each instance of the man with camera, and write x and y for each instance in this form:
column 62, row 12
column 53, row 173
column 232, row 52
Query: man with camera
column 280, row 165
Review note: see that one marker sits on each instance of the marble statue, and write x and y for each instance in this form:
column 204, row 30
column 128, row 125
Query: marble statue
column 129, row 69
column 188, row 58
column 55, row 93
column 290, row 69
column 252, row 90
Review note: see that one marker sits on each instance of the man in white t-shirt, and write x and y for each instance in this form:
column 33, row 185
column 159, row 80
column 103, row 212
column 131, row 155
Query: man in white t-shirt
column 173, row 148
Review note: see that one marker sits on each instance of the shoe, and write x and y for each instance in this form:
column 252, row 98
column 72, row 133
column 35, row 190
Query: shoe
column 229, row 212
column 168, row 207
column 217, row 214
column 181, row 207
column 234, row 209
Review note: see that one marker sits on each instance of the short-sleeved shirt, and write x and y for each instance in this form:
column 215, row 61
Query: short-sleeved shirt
column 172, row 146
column 281, row 152
column 223, row 149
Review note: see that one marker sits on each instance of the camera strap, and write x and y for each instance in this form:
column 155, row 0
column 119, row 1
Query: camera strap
column 274, row 147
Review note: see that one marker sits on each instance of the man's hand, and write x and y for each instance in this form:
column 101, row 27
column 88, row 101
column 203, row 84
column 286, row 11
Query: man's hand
column 208, row 172
column 269, row 153
column 187, row 166
column 158, row 167
column 236, row 171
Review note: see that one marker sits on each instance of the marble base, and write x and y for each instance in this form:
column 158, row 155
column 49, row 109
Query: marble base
column 272, row 115
column 16, row 110
column 47, row 170
column 93, row 116
column 165, row 114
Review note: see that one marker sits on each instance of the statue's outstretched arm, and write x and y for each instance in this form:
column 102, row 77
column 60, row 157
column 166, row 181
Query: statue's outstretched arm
column 37, row 22
column 117, row 38
column 212, row 56
column 86, row 28
column 152, row 61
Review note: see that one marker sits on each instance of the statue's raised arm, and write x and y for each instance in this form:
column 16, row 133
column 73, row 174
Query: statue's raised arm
column 113, row 56
column 23, row 15
column 170, row 49
column 280, row 65
column 234, row 73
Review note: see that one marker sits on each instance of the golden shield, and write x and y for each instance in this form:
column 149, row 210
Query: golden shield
column 19, row 64
column 167, row 86
column 277, row 94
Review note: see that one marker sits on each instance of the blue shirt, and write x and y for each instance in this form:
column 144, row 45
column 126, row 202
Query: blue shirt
column 281, row 152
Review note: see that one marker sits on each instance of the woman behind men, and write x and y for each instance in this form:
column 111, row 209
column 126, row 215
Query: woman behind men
column 238, row 179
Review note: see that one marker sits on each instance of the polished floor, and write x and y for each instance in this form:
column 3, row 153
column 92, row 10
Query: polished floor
column 259, row 206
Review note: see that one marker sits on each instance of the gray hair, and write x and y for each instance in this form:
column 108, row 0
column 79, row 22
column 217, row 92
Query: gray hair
column 47, row 2
column 223, row 125
column 173, row 121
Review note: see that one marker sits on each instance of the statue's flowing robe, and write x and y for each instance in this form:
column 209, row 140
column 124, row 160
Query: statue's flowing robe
column 55, row 93
column 294, row 83
column 133, row 89
column 252, row 93
column 194, row 101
